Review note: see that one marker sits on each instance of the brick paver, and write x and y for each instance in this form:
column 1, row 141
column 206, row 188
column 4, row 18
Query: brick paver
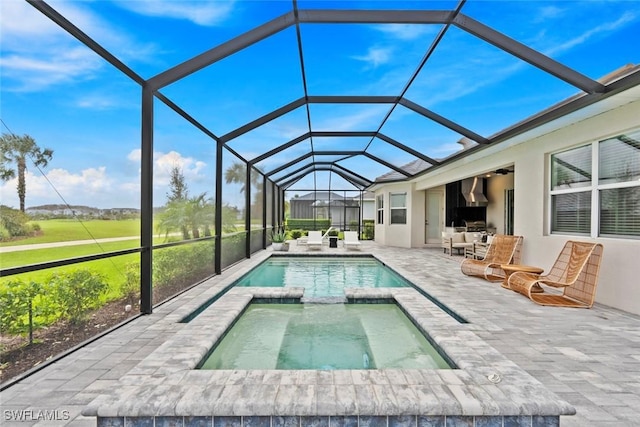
column 590, row 358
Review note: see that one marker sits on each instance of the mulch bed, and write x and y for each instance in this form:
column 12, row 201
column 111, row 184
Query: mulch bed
column 17, row 356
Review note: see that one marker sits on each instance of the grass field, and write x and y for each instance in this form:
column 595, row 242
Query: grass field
column 35, row 256
column 65, row 230
column 69, row 230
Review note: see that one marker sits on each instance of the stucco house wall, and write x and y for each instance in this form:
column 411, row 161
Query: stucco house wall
column 401, row 235
column 528, row 155
column 496, row 186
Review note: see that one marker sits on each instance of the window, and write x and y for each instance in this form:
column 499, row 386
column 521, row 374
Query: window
column 380, row 208
column 398, row 202
column 619, row 185
column 595, row 189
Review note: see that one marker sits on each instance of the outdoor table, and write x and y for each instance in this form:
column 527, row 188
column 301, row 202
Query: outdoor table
column 509, row 269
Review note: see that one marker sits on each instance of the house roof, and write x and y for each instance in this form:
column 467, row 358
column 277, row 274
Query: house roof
column 320, row 195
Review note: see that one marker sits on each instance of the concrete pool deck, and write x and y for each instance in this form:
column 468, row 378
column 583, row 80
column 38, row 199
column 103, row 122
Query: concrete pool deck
column 589, row 358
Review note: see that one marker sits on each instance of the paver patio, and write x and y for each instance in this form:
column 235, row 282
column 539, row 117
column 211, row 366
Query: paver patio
column 590, row 358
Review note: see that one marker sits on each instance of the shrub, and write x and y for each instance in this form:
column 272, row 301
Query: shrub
column 14, row 222
column 308, row 224
column 233, row 249
column 368, row 229
column 296, row 234
column 183, row 264
column 130, row 287
column 76, row 292
column 17, row 309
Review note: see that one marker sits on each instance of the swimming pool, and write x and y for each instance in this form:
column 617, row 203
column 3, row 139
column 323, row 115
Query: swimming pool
column 323, row 276
column 322, row 279
column 325, row 337
column 484, row 388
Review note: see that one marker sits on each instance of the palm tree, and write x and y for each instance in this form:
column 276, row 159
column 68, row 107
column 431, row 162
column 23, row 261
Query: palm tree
column 174, row 218
column 198, row 216
column 188, row 215
column 16, row 149
column 237, row 173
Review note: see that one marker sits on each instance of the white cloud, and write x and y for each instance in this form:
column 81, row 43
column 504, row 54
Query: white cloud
column 549, row 12
column 38, row 54
column 375, row 56
column 33, row 73
column 98, row 102
column 198, row 12
column 407, row 31
column 18, row 18
column 96, row 187
column 88, row 187
column 359, row 120
column 164, row 162
column 604, row 28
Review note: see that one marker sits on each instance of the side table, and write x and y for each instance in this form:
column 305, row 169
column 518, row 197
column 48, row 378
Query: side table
column 509, row 269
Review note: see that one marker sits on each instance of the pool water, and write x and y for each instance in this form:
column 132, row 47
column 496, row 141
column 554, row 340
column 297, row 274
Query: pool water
column 324, row 336
column 323, row 277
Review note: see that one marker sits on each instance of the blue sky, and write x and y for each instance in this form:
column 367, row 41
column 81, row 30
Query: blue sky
column 69, row 99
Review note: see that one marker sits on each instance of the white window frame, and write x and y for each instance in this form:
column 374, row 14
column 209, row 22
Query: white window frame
column 595, row 188
column 391, row 208
column 380, row 209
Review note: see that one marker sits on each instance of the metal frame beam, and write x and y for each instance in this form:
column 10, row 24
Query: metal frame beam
column 146, row 202
column 76, row 32
column 222, row 51
column 316, row 166
column 247, row 211
column 262, row 120
column 351, row 99
column 169, row 103
column 292, row 173
column 443, row 121
column 527, row 54
column 280, row 148
column 409, row 150
column 346, row 153
column 291, row 163
column 387, row 164
column 355, row 175
column 374, row 16
column 290, row 183
column 350, row 180
column 423, row 61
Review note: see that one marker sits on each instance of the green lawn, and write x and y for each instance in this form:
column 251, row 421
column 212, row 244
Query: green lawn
column 68, row 230
column 64, row 230
column 34, row 256
column 111, row 268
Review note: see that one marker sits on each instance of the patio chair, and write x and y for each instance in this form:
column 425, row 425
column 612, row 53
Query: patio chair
column 575, row 271
column 314, row 240
column 351, row 240
column 503, row 249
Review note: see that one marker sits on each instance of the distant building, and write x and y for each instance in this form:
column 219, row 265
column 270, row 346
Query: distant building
column 342, row 211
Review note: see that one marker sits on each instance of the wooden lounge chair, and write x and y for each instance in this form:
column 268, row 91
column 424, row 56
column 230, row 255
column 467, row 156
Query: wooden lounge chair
column 575, row 271
column 502, row 250
column 314, row 240
column 351, row 240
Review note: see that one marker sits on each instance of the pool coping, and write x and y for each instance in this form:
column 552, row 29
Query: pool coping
column 165, row 383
